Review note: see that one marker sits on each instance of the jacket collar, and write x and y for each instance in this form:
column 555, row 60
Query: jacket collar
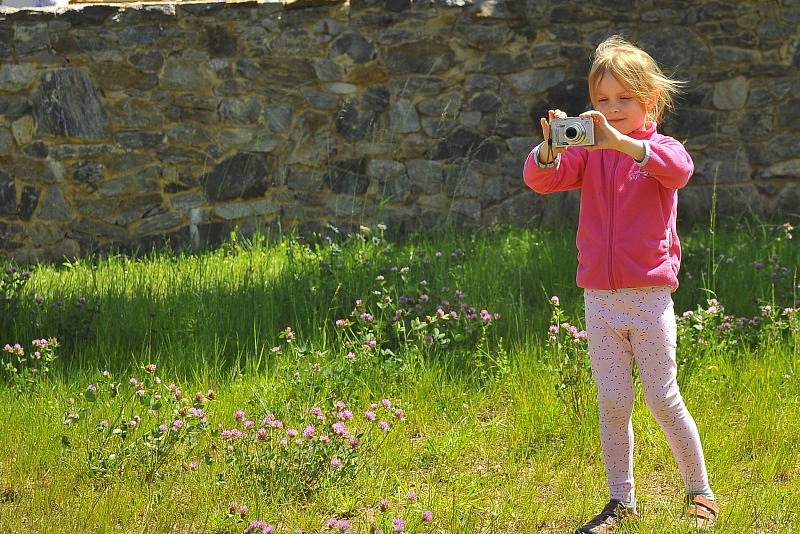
column 648, row 132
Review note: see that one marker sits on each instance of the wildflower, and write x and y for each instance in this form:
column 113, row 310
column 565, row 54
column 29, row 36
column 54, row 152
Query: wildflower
column 239, row 415
column 308, row 433
column 340, row 429
column 199, row 397
column 104, row 423
column 712, row 309
column 369, row 415
column 554, row 301
column 296, row 375
column 150, row 368
column 259, row 526
column 398, row 525
column 331, row 523
column 193, row 465
column 400, row 414
column 243, row 511
column 381, row 227
column 233, row 506
column 39, row 299
column 133, row 381
column 353, row 443
column 233, row 433
column 262, row 434
column 291, row 432
column 249, row 425
column 336, row 463
column 91, row 388
column 383, row 425
column 343, row 525
column 177, row 424
column 340, row 404
column 424, row 298
column 163, row 427
column 276, row 348
column 486, row 316
column 344, row 415
column 289, row 333
column 386, row 403
column 412, row 496
column 340, row 323
column 427, row 516
column 351, row 357
column 324, row 439
column 383, row 504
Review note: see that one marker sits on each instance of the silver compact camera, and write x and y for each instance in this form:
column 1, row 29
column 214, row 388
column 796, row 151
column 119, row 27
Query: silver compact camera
column 572, row 131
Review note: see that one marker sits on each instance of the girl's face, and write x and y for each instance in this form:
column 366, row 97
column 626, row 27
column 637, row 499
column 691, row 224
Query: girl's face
column 621, row 107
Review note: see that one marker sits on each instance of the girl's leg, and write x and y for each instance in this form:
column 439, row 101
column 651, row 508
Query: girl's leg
column 612, row 358
column 654, row 345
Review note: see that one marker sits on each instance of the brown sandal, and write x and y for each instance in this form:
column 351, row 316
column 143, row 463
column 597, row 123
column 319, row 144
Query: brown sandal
column 701, row 511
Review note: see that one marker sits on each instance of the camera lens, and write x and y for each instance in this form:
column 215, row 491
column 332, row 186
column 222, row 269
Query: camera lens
column 571, row 133
column 574, row 134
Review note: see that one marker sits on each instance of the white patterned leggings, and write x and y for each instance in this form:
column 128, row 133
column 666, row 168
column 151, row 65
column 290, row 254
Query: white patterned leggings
column 639, row 324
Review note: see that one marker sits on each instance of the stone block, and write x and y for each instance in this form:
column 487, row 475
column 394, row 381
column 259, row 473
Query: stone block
column 731, row 94
column 66, row 104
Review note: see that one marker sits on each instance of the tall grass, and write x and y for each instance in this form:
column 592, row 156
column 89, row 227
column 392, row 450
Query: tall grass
column 489, row 451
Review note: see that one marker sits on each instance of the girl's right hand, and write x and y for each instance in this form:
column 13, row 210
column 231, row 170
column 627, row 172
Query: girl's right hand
column 547, row 152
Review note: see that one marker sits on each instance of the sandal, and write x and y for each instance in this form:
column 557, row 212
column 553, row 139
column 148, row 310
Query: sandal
column 608, row 520
column 701, row 511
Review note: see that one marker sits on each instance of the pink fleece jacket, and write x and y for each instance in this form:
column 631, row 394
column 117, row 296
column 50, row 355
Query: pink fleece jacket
column 626, row 228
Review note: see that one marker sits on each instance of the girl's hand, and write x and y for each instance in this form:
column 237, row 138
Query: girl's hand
column 547, row 152
column 605, row 135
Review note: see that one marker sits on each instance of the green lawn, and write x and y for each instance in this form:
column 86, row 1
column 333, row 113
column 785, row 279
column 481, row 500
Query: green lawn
column 497, row 426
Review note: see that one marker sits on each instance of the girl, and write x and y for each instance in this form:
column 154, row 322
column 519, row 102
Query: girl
column 628, row 260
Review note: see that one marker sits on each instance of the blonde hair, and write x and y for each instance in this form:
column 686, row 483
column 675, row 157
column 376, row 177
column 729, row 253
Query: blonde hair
column 636, row 69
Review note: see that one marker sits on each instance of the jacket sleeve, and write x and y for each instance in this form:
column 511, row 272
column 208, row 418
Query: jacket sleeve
column 565, row 174
column 668, row 162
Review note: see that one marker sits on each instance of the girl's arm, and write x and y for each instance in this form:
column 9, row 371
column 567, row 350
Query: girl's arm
column 668, row 162
column 663, row 157
column 565, row 173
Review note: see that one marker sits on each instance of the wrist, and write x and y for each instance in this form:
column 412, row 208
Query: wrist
column 542, row 153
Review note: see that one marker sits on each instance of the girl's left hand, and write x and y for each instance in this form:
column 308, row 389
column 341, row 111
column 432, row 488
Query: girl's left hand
column 605, row 135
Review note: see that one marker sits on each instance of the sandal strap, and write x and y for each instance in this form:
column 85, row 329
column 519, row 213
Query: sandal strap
column 699, row 511
column 705, row 502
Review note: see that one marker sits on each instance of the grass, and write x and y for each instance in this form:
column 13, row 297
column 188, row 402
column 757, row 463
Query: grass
column 487, row 444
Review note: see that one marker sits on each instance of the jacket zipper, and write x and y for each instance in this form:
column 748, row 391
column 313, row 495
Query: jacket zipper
column 611, row 281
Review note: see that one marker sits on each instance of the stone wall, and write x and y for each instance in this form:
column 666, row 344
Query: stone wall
column 128, row 126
